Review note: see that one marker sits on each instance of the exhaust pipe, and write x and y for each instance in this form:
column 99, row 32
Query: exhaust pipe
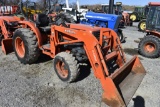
column 111, row 3
column 67, row 4
column 78, row 8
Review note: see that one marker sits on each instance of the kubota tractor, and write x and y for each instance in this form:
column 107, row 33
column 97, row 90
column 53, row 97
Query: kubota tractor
column 68, row 44
column 149, row 45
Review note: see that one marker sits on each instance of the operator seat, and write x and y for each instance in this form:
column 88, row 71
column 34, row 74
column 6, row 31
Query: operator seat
column 42, row 21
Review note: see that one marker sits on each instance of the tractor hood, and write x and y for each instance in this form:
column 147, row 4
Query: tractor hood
column 84, row 27
column 111, row 20
column 101, row 16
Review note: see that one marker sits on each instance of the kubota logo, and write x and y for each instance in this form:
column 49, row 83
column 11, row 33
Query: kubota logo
column 69, row 31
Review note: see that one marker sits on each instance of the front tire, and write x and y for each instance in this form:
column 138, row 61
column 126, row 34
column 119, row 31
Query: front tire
column 149, row 47
column 25, row 45
column 142, row 25
column 121, row 36
column 66, row 67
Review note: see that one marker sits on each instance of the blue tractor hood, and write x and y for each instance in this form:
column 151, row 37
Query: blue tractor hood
column 108, row 20
column 101, row 16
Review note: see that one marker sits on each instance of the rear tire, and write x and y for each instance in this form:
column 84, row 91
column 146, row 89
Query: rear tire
column 149, row 47
column 142, row 25
column 25, row 45
column 66, row 67
column 69, row 18
column 63, row 18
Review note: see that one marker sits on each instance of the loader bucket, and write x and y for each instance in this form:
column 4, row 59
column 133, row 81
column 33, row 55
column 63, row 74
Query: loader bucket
column 7, row 46
column 123, row 83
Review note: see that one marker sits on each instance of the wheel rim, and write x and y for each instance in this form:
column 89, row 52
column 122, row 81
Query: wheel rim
column 20, row 48
column 133, row 17
column 143, row 26
column 150, row 47
column 61, row 68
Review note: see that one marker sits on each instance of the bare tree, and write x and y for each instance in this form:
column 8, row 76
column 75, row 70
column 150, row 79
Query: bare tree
column 41, row 4
column 73, row 5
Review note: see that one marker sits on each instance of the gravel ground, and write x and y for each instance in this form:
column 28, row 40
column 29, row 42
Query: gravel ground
column 37, row 85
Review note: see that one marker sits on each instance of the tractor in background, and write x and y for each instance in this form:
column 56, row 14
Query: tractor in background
column 117, row 10
column 106, row 21
column 6, row 10
column 110, row 20
column 149, row 45
column 28, row 8
column 139, row 13
column 142, row 22
column 54, row 8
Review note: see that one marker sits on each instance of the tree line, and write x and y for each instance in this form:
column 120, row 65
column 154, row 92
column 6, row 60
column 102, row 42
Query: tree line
column 42, row 3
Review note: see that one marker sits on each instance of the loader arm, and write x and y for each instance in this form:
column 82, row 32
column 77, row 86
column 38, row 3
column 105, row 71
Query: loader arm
column 115, row 82
column 3, row 29
column 124, row 80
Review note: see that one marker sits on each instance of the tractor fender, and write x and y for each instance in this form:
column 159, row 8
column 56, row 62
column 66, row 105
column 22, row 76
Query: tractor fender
column 155, row 33
column 34, row 29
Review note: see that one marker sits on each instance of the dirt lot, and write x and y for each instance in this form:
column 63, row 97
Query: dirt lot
column 37, row 85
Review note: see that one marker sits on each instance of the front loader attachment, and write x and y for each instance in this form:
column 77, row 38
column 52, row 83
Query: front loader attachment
column 7, row 46
column 120, row 86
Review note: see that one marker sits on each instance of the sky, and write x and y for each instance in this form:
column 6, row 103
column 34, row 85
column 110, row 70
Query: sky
column 127, row 2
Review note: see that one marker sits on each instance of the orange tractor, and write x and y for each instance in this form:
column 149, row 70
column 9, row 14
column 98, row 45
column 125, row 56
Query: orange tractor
column 70, row 44
column 149, row 45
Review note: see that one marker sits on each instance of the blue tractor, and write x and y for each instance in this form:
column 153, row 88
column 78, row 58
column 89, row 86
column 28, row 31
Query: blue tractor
column 104, row 20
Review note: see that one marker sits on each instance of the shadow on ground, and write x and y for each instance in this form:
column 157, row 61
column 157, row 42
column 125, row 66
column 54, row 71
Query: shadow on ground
column 43, row 58
column 132, row 52
column 139, row 101
column 85, row 70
